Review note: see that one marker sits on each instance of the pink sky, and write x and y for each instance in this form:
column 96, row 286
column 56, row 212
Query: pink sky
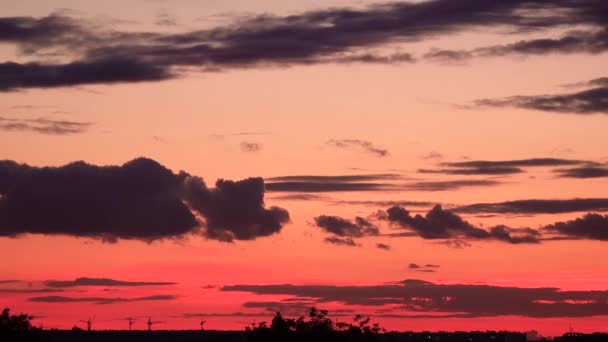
column 251, row 106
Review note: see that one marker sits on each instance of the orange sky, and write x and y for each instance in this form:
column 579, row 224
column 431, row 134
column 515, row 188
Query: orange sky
column 196, row 123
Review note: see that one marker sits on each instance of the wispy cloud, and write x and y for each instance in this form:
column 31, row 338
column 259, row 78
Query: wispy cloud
column 44, row 126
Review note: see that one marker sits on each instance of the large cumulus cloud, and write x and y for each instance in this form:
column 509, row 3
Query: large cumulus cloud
column 140, row 200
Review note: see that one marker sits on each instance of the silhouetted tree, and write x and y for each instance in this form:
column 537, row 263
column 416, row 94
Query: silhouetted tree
column 14, row 323
column 17, row 327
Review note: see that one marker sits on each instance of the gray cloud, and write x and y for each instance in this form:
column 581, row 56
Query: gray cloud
column 326, row 186
column 334, row 35
column 247, row 146
column 99, row 300
column 349, row 242
column 584, row 102
column 383, row 246
column 44, row 126
column 517, row 163
column 503, row 170
column 366, row 146
column 139, row 200
column 449, row 185
column 334, row 179
column 442, row 224
column 346, row 228
column 583, row 172
column 590, row 226
column 593, row 42
column 101, row 282
column 14, row 76
column 536, row 206
column 425, row 268
column 465, row 300
column 17, row 290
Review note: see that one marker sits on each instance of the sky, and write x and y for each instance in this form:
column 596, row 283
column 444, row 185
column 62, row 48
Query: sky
column 436, row 165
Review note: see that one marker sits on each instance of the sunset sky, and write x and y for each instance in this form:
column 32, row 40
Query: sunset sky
column 437, row 165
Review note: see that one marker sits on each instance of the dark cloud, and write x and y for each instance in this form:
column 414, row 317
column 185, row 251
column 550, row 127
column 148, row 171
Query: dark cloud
column 14, row 76
column 448, row 56
column 597, row 82
column 139, row 200
column 590, row 226
column 456, row 243
column 381, row 182
column 43, row 126
column 333, row 35
column 99, row 300
column 584, row 102
column 384, row 203
column 433, row 155
column 29, row 290
column 593, row 42
column 315, row 183
column 349, row 242
column 334, row 179
column 442, row 224
column 428, row 268
column 165, row 19
column 502, row 170
column 31, row 33
column 536, row 206
column 291, row 308
column 383, row 246
column 583, row 172
column 300, row 197
column 297, row 308
column 449, row 185
column 366, row 146
column 420, row 298
column 517, row 163
column 234, row 210
column 101, row 282
column 346, row 228
column 250, row 146
column 500, row 167
column 325, row 186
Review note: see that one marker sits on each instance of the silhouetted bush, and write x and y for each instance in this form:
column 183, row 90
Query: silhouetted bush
column 318, row 327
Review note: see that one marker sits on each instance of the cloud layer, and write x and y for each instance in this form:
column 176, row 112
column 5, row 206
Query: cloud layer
column 98, row 53
column 584, row 102
column 43, row 126
column 418, row 298
column 83, row 281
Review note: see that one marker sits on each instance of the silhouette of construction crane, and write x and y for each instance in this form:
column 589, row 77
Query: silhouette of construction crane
column 131, row 320
column 150, row 323
column 202, row 324
column 89, row 323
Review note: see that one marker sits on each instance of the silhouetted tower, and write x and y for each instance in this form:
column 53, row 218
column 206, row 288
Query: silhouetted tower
column 202, row 324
